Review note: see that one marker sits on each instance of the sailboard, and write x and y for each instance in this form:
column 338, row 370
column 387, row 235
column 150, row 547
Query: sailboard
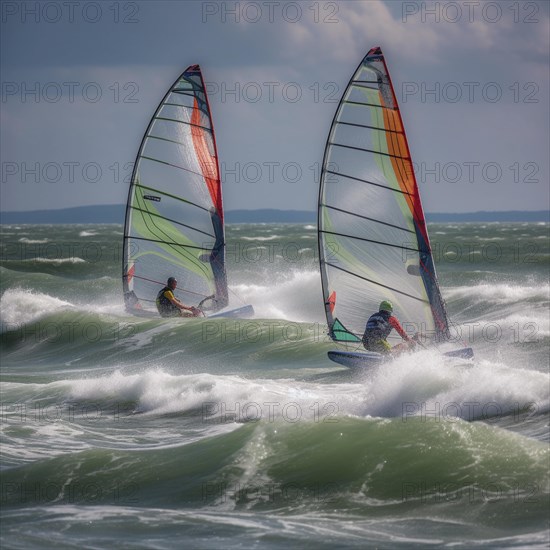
column 174, row 224
column 368, row 359
column 372, row 234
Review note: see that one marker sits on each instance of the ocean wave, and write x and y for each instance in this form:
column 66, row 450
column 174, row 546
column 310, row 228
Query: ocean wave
column 87, row 234
column 294, row 296
column 21, row 306
column 33, row 241
column 531, row 326
column 357, row 465
column 500, row 293
column 421, row 385
column 270, row 238
column 53, row 261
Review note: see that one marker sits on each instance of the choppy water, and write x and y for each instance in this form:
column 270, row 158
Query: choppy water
column 131, row 433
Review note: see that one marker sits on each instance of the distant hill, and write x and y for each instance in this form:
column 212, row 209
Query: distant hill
column 114, row 213
column 504, row 216
column 104, row 213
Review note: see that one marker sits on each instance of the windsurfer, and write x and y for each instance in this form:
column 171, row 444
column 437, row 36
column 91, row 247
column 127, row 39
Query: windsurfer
column 169, row 306
column 378, row 329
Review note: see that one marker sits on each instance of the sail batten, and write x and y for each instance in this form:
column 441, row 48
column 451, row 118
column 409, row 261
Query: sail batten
column 368, row 240
column 367, row 218
column 368, row 150
column 368, row 182
column 368, row 104
column 373, row 241
column 376, row 282
column 367, row 126
column 183, row 122
column 173, row 221
column 174, row 216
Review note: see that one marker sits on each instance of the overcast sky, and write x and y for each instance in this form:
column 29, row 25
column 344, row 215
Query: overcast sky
column 80, row 81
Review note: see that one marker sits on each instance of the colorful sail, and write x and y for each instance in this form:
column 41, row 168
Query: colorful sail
column 174, row 216
column 373, row 240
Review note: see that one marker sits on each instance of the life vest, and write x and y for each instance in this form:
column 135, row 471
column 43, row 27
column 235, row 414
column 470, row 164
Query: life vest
column 165, row 307
column 378, row 326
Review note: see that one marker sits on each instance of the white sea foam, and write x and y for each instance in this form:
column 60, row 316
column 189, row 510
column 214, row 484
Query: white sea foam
column 501, row 293
column 24, row 306
column 531, row 325
column 270, row 238
column 296, row 297
column 87, row 234
column 52, row 261
column 57, row 261
column 33, row 241
column 228, row 397
column 421, row 384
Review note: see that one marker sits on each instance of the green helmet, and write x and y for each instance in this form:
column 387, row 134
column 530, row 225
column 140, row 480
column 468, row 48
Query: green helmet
column 386, row 306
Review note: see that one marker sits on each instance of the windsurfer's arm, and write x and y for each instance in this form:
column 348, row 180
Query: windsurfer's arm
column 177, row 303
column 397, row 326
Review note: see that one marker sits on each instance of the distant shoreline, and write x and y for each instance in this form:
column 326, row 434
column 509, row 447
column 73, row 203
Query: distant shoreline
column 114, row 213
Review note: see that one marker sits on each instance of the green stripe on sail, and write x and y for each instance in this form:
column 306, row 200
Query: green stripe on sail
column 341, row 334
column 334, row 247
column 189, row 259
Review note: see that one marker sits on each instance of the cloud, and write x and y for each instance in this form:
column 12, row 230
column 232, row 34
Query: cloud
column 318, row 55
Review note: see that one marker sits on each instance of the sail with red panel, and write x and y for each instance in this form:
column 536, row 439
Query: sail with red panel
column 174, row 217
column 373, row 239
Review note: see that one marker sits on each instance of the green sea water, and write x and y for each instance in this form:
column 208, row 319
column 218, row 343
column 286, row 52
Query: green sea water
column 221, row 433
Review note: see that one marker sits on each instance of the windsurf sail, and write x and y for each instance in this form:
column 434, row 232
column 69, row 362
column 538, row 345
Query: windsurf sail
column 174, row 216
column 373, row 240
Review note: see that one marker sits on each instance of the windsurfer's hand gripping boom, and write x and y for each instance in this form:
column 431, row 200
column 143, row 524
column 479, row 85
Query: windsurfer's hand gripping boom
column 169, row 306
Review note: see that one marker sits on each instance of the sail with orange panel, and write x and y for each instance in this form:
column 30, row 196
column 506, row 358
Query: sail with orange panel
column 373, row 240
column 174, row 217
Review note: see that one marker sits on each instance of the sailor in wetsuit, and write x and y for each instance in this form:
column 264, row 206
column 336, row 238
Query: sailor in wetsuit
column 169, row 306
column 379, row 327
